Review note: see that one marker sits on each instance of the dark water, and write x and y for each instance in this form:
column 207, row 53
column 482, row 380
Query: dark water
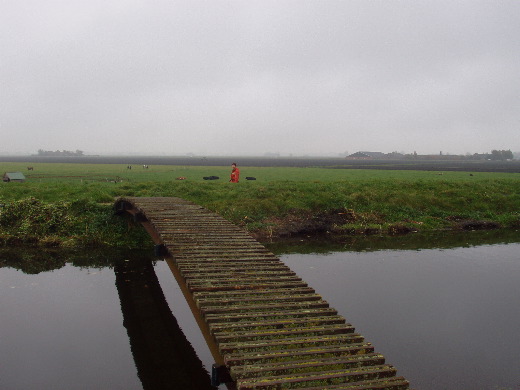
column 447, row 316
column 63, row 330
column 447, row 319
column 95, row 321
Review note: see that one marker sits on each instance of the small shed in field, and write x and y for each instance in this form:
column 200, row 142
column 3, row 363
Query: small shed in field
column 14, row 176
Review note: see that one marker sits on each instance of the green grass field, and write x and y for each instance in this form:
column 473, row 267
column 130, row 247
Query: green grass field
column 280, row 201
column 47, row 172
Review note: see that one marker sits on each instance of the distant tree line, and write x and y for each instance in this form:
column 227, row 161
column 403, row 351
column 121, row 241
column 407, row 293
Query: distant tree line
column 501, row 155
column 495, row 155
column 61, row 153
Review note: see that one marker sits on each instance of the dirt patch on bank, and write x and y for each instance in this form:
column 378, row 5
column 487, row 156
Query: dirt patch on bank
column 478, row 225
column 308, row 223
column 347, row 222
column 461, row 223
column 335, row 221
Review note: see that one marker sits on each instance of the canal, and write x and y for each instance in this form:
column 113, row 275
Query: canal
column 442, row 308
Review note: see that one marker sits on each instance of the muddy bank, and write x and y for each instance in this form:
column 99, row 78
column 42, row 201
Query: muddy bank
column 341, row 222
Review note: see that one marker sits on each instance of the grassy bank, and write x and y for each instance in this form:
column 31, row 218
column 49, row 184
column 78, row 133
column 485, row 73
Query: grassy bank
column 71, row 204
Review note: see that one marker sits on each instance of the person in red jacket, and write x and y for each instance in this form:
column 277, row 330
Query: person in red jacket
column 235, row 173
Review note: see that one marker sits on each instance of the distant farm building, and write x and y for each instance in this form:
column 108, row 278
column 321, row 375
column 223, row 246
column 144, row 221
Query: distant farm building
column 366, row 156
column 14, row 176
column 358, row 156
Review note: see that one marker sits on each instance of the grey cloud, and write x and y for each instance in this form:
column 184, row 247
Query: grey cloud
column 221, row 77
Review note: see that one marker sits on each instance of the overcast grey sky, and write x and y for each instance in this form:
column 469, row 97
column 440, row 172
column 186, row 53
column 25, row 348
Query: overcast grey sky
column 247, row 77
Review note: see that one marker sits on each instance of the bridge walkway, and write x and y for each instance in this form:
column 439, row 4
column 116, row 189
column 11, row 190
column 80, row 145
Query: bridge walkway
column 266, row 328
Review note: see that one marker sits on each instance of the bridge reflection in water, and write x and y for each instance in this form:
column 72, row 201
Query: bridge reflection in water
column 264, row 326
column 164, row 358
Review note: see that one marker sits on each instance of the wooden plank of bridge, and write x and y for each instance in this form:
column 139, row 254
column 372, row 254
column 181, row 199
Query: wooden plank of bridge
column 264, row 323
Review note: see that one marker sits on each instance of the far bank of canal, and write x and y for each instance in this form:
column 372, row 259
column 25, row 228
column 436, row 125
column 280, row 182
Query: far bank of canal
column 444, row 312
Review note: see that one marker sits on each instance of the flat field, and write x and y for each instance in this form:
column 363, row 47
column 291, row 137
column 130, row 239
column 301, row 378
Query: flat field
column 288, row 200
column 265, row 170
column 297, row 162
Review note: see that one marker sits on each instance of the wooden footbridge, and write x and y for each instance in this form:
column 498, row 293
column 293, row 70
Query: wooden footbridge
column 266, row 328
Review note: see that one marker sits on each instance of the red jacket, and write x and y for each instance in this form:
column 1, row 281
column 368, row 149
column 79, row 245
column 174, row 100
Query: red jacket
column 235, row 173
